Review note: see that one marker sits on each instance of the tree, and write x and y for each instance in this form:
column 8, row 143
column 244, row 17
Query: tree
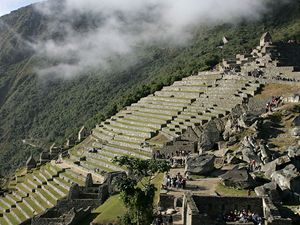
column 136, row 188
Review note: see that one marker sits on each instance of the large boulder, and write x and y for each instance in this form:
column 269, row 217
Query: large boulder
column 268, row 189
column 277, row 164
column 249, row 155
column 248, row 119
column 238, row 178
column 200, row 164
column 211, row 134
column 287, row 178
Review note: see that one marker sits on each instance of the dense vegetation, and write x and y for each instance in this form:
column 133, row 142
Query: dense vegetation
column 52, row 110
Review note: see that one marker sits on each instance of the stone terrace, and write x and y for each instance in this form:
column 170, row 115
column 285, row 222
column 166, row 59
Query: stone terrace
column 190, row 102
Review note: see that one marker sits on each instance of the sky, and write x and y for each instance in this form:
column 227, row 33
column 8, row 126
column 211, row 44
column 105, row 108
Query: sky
column 6, row 6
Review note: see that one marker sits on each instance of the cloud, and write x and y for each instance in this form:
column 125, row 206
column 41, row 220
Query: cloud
column 118, row 27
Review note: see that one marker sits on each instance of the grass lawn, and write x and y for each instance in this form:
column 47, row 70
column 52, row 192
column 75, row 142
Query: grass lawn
column 114, row 207
column 227, row 191
column 110, row 210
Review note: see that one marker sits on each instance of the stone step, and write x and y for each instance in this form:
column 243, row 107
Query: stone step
column 11, row 219
column 33, row 205
column 151, row 114
column 29, row 185
column 145, row 123
column 6, row 202
column 213, row 76
column 105, row 163
column 178, row 126
column 135, row 133
column 173, row 134
column 61, row 191
column 28, row 212
column 110, row 134
column 13, row 198
column 42, row 198
column 143, row 118
column 180, row 94
column 54, row 169
column 62, row 183
column 39, row 179
column 163, row 102
column 161, row 112
column 184, row 88
column 169, row 99
column 52, row 192
column 38, row 201
column 155, row 105
column 3, row 221
column 126, row 151
column 72, row 177
column 95, row 166
column 18, row 215
column 119, row 123
column 197, row 82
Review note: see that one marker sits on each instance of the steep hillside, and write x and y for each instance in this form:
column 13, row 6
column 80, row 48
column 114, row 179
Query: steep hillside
column 53, row 109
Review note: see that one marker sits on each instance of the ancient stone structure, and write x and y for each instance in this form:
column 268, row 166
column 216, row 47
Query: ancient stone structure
column 208, row 210
column 189, row 115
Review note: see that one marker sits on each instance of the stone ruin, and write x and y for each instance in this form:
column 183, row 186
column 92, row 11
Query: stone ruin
column 79, row 202
column 208, row 210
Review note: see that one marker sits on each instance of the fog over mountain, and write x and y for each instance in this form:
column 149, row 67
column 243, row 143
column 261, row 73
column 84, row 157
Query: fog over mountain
column 120, row 26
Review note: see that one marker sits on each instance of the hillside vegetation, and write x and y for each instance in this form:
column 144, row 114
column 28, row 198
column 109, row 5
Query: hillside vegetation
column 54, row 109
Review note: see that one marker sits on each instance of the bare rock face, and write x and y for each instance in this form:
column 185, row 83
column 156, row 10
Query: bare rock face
column 287, row 178
column 200, row 165
column 238, row 178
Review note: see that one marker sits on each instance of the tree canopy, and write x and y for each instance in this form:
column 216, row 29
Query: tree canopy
column 137, row 190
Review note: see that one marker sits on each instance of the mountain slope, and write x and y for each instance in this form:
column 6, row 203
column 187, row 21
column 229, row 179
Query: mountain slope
column 52, row 109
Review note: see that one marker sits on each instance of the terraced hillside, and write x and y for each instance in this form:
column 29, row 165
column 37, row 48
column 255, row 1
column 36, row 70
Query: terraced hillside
column 192, row 101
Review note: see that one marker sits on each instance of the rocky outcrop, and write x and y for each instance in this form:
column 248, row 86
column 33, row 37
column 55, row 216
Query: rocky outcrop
column 211, row 134
column 287, row 178
column 200, row 165
column 238, row 178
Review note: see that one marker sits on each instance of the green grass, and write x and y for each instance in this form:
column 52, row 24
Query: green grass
column 110, row 210
column 227, row 191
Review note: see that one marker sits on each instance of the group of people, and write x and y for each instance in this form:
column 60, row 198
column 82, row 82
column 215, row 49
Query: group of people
column 275, row 101
column 177, row 181
column 163, row 219
column 243, row 217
